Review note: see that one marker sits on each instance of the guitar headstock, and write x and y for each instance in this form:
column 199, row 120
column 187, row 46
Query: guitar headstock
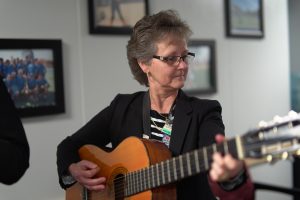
column 274, row 140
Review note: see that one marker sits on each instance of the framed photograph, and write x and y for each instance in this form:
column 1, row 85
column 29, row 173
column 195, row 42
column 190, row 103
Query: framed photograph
column 201, row 78
column 294, row 88
column 115, row 16
column 244, row 18
column 32, row 71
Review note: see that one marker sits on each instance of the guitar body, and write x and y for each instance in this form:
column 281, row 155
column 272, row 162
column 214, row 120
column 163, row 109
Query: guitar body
column 131, row 155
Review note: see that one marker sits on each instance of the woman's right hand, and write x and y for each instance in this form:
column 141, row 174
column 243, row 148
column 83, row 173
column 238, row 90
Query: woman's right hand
column 84, row 173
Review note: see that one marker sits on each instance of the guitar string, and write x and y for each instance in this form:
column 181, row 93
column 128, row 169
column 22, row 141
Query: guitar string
column 175, row 158
column 200, row 157
column 120, row 190
column 164, row 169
column 193, row 169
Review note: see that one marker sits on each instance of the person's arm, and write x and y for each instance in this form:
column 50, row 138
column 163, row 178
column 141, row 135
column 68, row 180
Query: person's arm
column 239, row 187
column 229, row 178
column 95, row 132
column 14, row 148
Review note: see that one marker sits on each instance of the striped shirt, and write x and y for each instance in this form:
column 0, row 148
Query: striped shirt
column 158, row 121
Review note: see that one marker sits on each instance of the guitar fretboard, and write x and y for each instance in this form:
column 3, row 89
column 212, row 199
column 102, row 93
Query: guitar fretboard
column 177, row 168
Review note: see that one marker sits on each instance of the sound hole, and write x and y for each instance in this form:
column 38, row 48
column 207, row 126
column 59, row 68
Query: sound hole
column 119, row 186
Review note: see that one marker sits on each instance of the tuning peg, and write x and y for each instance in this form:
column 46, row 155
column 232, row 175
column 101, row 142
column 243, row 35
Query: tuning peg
column 269, row 158
column 262, row 124
column 277, row 119
column 298, row 152
column 292, row 114
column 285, row 155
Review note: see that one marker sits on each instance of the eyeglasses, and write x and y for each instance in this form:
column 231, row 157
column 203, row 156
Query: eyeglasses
column 175, row 60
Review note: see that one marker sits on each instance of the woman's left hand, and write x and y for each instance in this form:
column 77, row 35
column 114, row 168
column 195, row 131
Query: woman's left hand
column 225, row 167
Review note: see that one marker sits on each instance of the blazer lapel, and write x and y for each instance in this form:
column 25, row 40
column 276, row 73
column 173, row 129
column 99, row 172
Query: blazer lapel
column 182, row 119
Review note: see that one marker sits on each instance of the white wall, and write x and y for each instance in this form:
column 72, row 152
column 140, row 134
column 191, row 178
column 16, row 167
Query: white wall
column 252, row 76
column 294, row 24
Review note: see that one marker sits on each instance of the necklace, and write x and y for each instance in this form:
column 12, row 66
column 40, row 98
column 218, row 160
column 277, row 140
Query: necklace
column 166, row 127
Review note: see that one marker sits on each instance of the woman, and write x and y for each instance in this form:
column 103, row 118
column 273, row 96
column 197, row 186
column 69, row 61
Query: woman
column 158, row 58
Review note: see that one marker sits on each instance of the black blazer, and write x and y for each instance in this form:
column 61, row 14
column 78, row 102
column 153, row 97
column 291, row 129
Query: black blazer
column 14, row 148
column 195, row 124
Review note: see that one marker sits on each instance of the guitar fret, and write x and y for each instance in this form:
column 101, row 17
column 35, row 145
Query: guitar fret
column 174, row 169
column 143, row 183
column 131, row 183
column 168, row 170
column 210, row 152
column 138, row 181
column 239, row 148
column 162, row 173
column 125, row 189
column 145, row 178
column 157, row 171
column 125, row 186
column 205, row 158
column 188, row 164
column 197, row 161
column 214, row 147
column 148, row 178
column 153, row 179
column 192, row 161
column 226, row 147
column 139, row 185
column 232, row 148
column 181, row 166
column 134, row 182
column 128, row 184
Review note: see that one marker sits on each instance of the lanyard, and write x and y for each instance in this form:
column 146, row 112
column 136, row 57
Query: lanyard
column 146, row 116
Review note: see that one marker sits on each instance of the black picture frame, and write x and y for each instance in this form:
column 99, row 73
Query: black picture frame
column 294, row 88
column 244, row 18
column 104, row 20
column 201, row 78
column 33, row 75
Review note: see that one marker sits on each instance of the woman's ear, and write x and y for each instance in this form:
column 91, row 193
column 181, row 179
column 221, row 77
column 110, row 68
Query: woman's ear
column 144, row 66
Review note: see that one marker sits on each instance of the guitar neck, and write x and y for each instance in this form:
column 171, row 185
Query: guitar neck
column 180, row 167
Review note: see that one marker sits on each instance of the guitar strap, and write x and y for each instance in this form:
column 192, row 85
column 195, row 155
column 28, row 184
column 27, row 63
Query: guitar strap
column 146, row 116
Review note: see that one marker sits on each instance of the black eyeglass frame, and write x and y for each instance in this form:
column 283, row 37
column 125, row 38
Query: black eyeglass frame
column 171, row 58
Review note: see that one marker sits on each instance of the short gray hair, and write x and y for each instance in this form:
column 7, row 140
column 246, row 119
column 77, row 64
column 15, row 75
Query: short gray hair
column 146, row 33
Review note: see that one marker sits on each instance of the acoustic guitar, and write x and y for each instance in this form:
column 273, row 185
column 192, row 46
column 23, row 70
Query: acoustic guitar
column 140, row 169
